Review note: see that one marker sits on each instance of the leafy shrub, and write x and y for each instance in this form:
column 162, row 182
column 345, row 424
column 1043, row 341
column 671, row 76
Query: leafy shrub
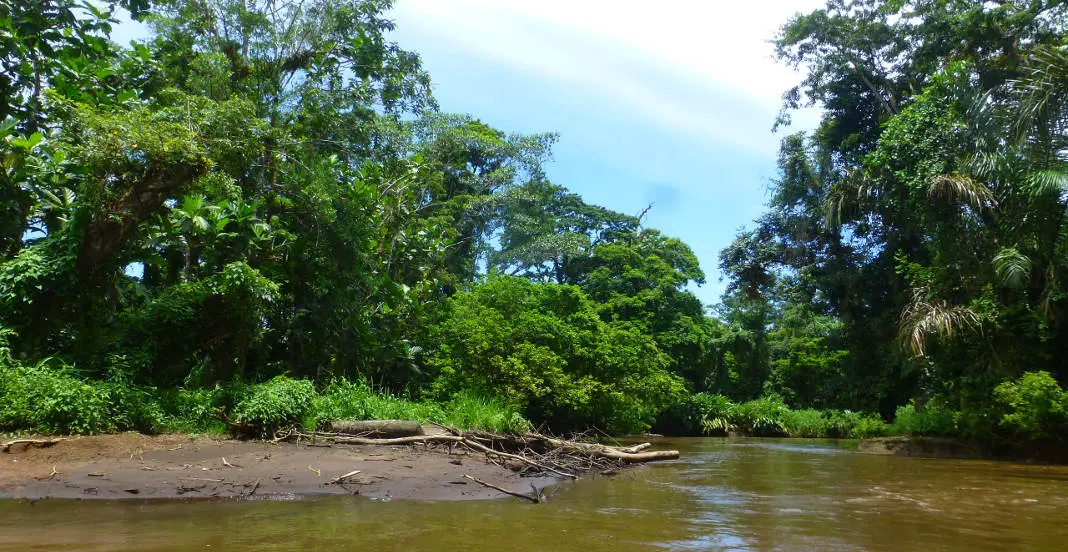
column 278, row 402
column 854, row 425
column 228, row 395
column 545, row 349
column 980, row 422
column 763, row 417
column 868, row 426
column 934, row 420
column 806, row 423
column 192, row 411
column 44, row 399
column 702, row 413
column 132, row 407
column 1036, row 405
column 712, row 413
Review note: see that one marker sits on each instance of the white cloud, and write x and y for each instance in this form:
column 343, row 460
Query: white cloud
column 704, row 68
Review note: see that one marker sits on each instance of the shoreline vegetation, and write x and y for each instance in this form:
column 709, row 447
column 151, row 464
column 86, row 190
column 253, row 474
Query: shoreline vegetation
column 44, row 400
column 259, row 218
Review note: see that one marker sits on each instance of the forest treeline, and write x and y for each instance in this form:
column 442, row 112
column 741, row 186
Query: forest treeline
column 260, row 214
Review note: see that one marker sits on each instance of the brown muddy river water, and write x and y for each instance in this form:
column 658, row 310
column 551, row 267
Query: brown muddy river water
column 722, row 495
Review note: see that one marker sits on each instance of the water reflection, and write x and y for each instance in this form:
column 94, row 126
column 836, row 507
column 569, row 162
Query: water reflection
column 723, row 495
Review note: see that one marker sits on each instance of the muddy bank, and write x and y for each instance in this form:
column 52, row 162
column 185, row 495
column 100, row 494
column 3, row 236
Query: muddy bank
column 925, row 447
column 1049, row 451
column 134, row 466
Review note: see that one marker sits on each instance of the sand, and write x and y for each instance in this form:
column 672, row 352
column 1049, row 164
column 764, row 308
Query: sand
column 142, row 467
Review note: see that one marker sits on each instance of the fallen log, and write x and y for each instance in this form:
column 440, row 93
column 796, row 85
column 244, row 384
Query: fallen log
column 640, row 457
column 346, row 440
column 376, row 428
column 634, row 449
column 630, row 455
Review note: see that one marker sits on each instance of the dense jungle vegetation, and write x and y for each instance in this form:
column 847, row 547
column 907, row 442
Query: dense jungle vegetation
column 261, row 212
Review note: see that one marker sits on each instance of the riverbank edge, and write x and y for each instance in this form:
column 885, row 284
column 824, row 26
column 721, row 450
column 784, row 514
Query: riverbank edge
column 1042, row 452
column 135, row 466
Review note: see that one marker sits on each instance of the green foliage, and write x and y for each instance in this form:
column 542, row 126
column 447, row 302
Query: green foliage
column 192, row 410
column 836, row 424
column 1036, row 405
column 357, row 400
column 544, row 349
column 707, row 414
column 234, row 199
column 933, row 420
column 915, row 242
column 806, row 423
column 697, row 414
column 763, row 417
column 268, row 406
column 133, row 408
column 471, row 410
column 48, row 398
column 854, row 425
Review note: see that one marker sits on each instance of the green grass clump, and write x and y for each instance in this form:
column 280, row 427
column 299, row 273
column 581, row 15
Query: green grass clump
column 469, row 410
column 357, row 400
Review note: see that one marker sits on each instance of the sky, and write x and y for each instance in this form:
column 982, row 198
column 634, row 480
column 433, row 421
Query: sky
column 669, row 103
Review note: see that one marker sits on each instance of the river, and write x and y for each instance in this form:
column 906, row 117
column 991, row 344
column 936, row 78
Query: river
column 724, row 494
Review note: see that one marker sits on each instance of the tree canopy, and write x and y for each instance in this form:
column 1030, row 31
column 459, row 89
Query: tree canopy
column 268, row 188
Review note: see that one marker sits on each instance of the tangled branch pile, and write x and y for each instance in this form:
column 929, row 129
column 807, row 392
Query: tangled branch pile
column 529, row 454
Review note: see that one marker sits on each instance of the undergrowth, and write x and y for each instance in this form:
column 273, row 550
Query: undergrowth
column 51, row 398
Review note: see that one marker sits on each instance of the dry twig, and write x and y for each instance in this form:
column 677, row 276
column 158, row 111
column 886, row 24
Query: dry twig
column 343, row 477
column 535, row 499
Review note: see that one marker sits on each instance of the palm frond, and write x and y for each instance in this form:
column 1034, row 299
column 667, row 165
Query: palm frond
column 1043, row 91
column 958, row 187
column 846, row 196
column 924, row 319
column 1049, row 182
column 1012, row 268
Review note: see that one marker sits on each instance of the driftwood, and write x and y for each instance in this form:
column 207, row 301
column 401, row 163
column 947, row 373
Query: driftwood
column 376, row 428
column 343, row 477
column 528, row 453
column 27, row 443
column 346, row 440
column 629, row 455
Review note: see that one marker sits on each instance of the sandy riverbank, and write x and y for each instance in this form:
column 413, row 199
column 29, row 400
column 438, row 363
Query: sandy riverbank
column 135, row 466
